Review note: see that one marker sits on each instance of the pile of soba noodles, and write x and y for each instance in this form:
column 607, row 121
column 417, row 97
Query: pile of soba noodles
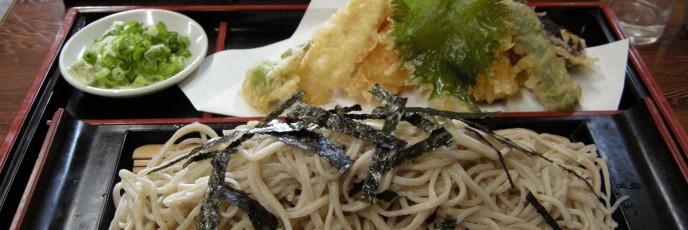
column 463, row 184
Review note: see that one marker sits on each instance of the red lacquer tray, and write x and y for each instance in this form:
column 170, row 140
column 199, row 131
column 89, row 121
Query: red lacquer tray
column 61, row 175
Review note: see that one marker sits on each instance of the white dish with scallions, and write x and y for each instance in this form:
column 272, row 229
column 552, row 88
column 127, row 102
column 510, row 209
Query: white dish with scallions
column 123, row 80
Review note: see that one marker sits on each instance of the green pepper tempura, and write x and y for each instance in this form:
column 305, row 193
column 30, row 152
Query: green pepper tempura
column 130, row 55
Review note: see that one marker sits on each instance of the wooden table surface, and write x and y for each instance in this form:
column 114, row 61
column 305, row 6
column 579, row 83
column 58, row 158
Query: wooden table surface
column 28, row 29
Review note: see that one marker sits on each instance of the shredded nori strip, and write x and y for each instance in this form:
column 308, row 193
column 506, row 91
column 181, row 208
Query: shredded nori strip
column 450, row 114
column 211, row 203
column 199, row 157
column 200, row 149
column 210, row 207
column 283, row 107
column 209, row 216
column 501, row 139
column 448, row 223
column 416, row 119
column 318, row 144
column 393, row 108
column 387, row 195
column 501, row 157
column 540, row 209
column 259, row 216
column 344, row 125
column 383, row 95
column 339, row 110
column 225, row 139
column 299, row 130
column 375, row 171
column 275, row 127
column 355, row 188
column 363, row 116
column 510, row 143
column 437, row 138
column 431, row 218
column 420, row 121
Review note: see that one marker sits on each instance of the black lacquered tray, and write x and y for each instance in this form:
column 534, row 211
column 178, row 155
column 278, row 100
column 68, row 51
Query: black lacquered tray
column 61, row 175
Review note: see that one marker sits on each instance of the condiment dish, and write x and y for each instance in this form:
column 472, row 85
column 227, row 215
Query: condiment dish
column 82, row 40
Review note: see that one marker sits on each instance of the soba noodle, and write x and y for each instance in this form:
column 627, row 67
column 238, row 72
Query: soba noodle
column 464, row 182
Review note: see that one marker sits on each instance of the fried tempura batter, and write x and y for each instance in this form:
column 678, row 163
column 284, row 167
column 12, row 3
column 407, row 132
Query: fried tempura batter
column 329, row 61
column 381, row 66
column 546, row 72
column 501, row 84
column 355, row 50
column 337, row 47
column 270, row 81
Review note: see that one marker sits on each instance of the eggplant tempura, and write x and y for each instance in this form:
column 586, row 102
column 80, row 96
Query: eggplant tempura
column 456, row 52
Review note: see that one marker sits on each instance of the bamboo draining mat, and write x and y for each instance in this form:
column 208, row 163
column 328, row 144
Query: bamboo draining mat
column 143, row 154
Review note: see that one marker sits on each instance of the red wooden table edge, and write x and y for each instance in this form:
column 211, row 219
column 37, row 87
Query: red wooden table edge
column 23, row 110
column 36, row 172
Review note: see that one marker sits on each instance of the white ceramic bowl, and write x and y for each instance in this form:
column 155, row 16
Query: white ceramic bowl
column 82, row 40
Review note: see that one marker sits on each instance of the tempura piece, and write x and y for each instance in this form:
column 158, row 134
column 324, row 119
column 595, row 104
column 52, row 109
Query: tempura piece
column 456, row 52
column 329, row 61
column 270, row 81
column 499, row 85
column 381, row 67
column 567, row 45
column 548, row 77
column 337, row 47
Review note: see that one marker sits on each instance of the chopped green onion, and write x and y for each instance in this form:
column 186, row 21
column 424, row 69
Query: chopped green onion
column 129, row 55
column 90, row 57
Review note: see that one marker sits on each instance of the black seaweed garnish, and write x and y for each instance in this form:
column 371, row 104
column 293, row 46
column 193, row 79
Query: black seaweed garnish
column 532, row 200
column 355, row 188
column 420, row 121
column 387, row 195
column 319, row 144
column 506, row 141
column 199, row 157
column 447, row 223
column 300, row 128
column 450, row 114
column 225, row 139
column 198, row 150
column 259, row 216
column 304, row 114
column 501, row 157
column 375, row 171
column 364, row 116
column 431, row 218
column 417, row 119
column 392, row 111
column 211, row 201
column 275, row 127
column 437, row 138
column 501, row 139
column 339, row 110
column 283, row 107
